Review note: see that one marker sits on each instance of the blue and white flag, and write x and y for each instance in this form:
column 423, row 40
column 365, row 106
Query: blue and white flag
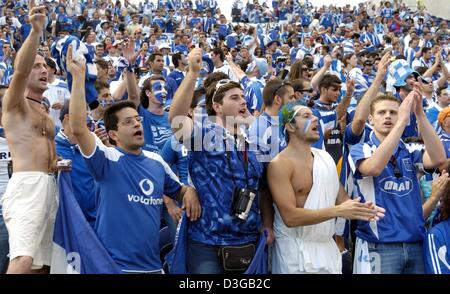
column 80, row 51
column 177, row 258
column 76, row 248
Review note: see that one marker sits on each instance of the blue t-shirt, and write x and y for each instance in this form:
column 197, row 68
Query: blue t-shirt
column 177, row 156
column 177, row 76
column 396, row 189
column 266, row 137
column 215, row 180
column 82, row 181
column 445, row 139
column 436, row 249
column 157, row 129
column 327, row 121
column 130, row 202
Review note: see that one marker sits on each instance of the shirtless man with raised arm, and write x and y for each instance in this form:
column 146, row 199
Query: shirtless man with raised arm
column 308, row 197
column 29, row 203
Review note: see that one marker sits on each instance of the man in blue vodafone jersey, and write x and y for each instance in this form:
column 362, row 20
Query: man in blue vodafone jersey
column 131, row 181
column 385, row 173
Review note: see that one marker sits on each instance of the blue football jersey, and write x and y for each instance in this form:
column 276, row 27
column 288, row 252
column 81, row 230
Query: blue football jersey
column 396, row 189
column 130, row 201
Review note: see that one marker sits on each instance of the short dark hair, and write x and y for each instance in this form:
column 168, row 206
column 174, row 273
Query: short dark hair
column 439, row 90
column 147, row 86
column 272, row 88
column 218, row 95
column 99, row 85
column 64, row 110
column 176, row 59
column 329, row 80
column 425, row 50
column 384, row 97
column 198, row 94
column 214, row 77
column 110, row 117
column 153, row 56
column 297, row 84
column 103, row 64
column 219, row 51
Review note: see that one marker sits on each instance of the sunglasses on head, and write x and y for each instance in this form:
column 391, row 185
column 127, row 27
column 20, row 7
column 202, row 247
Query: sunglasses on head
column 279, row 87
column 426, row 80
column 219, row 85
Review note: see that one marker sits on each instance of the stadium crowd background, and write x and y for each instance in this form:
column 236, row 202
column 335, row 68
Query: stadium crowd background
column 332, row 57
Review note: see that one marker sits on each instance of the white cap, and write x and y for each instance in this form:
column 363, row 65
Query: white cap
column 164, row 46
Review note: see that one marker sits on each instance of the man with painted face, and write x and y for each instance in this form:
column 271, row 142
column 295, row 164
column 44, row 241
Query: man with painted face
column 308, row 200
column 157, row 69
column 153, row 99
column 384, row 169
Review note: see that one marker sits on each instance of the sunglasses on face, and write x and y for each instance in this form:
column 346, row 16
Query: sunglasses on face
column 310, row 90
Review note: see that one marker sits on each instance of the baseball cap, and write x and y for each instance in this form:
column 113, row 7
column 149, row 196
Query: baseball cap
column 164, row 46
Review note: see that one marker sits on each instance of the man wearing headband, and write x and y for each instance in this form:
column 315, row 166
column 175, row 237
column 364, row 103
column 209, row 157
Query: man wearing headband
column 384, row 169
column 308, row 200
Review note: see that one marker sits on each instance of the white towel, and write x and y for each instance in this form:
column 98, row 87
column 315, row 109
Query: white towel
column 310, row 249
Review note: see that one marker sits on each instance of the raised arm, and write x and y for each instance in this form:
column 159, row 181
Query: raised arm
column 363, row 108
column 77, row 107
column 182, row 125
column 319, row 75
column 341, row 109
column 434, row 155
column 14, row 97
column 132, row 87
column 374, row 165
column 237, row 71
column 439, row 187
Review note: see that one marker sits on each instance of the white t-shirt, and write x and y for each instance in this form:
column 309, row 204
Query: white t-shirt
column 57, row 92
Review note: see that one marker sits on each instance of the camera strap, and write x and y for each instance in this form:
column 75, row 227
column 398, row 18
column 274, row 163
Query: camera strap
column 244, row 161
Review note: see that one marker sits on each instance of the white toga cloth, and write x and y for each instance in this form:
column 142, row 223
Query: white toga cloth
column 310, row 249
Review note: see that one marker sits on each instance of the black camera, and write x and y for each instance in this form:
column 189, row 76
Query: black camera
column 242, row 202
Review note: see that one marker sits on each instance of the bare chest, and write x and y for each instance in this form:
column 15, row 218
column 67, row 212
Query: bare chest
column 302, row 181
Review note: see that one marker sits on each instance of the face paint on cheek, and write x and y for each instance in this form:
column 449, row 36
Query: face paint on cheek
column 307, row 125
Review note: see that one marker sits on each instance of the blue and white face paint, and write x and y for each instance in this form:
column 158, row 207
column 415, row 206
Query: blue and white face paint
column 307, row 121
column 159, row 91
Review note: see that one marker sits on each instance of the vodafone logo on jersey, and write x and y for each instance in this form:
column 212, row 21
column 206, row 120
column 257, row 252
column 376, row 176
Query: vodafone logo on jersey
column 147, row 187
